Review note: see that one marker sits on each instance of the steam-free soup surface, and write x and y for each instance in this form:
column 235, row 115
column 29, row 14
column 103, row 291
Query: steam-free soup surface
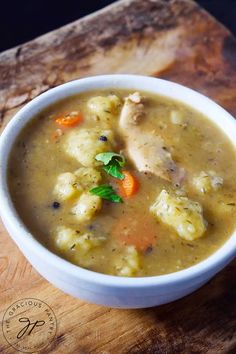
column 165, row 202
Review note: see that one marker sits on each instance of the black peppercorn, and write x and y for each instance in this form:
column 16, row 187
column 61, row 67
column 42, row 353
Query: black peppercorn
column 56, row 205
column 103, row 138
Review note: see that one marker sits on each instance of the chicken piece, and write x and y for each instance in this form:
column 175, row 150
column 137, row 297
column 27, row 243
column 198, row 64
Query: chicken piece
column 145, row 149
column 181, row 213
column 133, row 111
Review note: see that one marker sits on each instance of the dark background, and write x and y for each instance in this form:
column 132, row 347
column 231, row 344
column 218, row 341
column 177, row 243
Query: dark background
column 21, row 21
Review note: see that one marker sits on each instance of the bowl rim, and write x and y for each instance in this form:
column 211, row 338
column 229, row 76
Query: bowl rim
column 19, row 231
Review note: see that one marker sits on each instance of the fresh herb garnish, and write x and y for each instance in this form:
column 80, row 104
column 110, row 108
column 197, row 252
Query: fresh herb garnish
column 113, row 169
column 107, row 157
column 106, row 191
column 112, row 163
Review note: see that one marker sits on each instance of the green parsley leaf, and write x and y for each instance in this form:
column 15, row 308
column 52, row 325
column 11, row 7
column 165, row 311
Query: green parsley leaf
column 108, row 157
column 106, row 191
column 113, row 169
column 112, row 163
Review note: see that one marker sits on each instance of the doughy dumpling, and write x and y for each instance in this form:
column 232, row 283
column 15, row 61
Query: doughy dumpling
column 67, row 239
column 66, row 186
column 85, row 144
column 208, row 182
column 181, row 213
column 105, row 108
column 70, row 184
column 128, row 262
column 88, row 177
column 86, row 206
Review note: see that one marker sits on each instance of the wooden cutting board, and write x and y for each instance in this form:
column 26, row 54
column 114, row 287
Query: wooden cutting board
column 172, row 39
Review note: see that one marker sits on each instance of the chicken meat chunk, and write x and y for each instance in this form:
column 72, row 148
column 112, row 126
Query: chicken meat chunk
column 147, row 150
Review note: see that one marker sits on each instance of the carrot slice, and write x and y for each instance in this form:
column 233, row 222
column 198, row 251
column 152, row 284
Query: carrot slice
column 137, row 230
column 69, row 120
column 129, row 185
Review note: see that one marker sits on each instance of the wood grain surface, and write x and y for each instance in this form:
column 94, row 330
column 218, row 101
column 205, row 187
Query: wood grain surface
column 173, row 39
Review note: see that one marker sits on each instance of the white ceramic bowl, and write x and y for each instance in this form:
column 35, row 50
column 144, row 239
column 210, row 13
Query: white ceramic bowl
column 95, row 287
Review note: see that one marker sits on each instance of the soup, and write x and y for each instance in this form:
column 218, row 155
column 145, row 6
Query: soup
column 125, row 183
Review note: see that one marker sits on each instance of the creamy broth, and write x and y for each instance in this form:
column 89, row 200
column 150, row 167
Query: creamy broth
column 130, row 239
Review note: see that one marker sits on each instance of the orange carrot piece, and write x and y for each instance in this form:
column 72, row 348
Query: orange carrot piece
column 69, row 120
column 129, row 185
column 136, row 230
